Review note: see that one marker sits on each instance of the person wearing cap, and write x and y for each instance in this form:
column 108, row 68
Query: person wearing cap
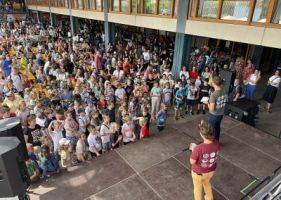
column 12, row 101
column 64, row 152
column 203, row 161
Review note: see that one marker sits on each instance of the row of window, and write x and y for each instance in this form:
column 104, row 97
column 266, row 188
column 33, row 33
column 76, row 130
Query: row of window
column 260, row 11
column 153, row 7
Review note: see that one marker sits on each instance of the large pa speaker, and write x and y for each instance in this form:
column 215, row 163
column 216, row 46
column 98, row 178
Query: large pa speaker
column 11, row 127
column 227, row 77
column 243, row 110
column 14, row 177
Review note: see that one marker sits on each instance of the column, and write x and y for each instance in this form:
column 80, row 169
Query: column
column 257, row 57
column 109, row 28
column 74, row 25
column 181, row 52
column 39, row 17
column 181, row 41
column 53, row 19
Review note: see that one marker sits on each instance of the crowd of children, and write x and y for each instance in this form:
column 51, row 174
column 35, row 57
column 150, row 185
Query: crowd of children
column 77, row 99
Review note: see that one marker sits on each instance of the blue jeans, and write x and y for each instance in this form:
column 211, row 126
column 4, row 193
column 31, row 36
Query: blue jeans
column 215, row 121
column 250, row 92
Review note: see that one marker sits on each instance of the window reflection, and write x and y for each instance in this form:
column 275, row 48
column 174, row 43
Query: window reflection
column 208, row 8
column 164, row 7
column 98, row 4
column 235, row 10
column 116, row 5
column 260, row 11
column 150, row 6
column 277, row 13
column 124, row 6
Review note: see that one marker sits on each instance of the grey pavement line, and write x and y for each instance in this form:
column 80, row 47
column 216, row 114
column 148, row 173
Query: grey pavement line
column 93, row 195
column 141, row 177
column 212, row 185
column 239, row 140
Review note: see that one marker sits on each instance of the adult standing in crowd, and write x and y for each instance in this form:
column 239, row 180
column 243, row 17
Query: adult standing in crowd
column 203, row 162
column 271, row 90
column 216, row 106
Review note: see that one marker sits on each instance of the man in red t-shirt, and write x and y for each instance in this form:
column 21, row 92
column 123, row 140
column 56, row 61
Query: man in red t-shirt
column 203, row 162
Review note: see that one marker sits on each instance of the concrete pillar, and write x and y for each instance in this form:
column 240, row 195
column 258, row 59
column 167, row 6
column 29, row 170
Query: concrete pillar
column 257, row 57
column 39, row 17
column 182, row 41
column 109, row 32
column 53, row 19
column 109, row 28
column 74, row 25
column 181, row 52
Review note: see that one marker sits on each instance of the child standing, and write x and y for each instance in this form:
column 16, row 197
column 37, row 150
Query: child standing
column 191, row 97
column 167, row 92
column 55, row 130
column 144, row 131
column 64, row 152
column 162, row 117
column 204, row 91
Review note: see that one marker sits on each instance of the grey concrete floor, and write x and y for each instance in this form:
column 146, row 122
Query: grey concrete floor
column 157, row 168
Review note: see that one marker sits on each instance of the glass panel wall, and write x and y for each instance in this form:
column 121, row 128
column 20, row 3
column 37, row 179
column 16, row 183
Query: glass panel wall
column 98, row 5
column 91, row 4
column 164, row 7
column 124, row 6
column 276, row 19
column 115, row 5
column 139, row 6
column 134, row 6
column 208, row 8
column 150, row 6
column 260, row 11
column 235, row 10
column 176, row 8
column 80, row 4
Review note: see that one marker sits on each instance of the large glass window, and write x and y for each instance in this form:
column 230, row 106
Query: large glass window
column 176, row 8
column 134, row 6
column 276, row 19
column 139, row 6
column 150, row 6
column 124, row 6
column 164, row 7
column 98, row 4
column 235, row 10
column 80, row 4
column 260, row 11
column 91, row 4
column 208, row 8
column 116, row 5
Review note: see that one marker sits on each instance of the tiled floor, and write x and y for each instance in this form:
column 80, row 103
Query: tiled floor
column 157, row 168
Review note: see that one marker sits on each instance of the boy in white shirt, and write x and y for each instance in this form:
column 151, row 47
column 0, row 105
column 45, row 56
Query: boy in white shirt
column 94, row 141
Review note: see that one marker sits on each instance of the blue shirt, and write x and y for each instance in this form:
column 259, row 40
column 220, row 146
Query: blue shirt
column 161, row 118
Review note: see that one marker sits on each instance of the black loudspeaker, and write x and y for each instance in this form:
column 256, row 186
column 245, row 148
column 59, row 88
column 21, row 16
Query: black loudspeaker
column 227, row 79
column 11, row 127
column 243, row 110
column 14, row 177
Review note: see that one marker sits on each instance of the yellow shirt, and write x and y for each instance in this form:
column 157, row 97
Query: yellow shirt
column 13, row 105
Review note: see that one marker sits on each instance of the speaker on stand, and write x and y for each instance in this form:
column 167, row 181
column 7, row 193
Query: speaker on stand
column 14, row 178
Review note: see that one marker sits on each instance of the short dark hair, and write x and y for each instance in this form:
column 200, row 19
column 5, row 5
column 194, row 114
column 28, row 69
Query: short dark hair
column 217, row 80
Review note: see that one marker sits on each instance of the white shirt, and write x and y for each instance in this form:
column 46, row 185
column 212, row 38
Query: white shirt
column 186, row 74
column 120, row 92
column 105, row 137
column 56, row 136
column 46, row 66
column 128, row 132
column 146, row 56
column 118, row 73
column 93, row 141
column 253, row 78
column 275, row 81
column 17, row 82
